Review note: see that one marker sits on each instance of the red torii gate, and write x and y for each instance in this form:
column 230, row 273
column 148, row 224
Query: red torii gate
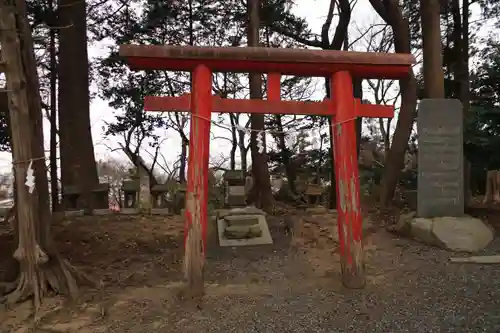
column 324, row 108
column 340, row 66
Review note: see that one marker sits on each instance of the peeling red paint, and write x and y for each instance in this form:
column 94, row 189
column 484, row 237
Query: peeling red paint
column 349, row 217
column 343, row 109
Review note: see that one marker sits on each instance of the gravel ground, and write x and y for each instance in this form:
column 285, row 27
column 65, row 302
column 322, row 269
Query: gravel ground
column 280, row 288
column 420, row 293
column 411, row 288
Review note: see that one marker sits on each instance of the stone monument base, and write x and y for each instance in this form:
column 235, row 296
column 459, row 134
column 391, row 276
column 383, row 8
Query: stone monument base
column 461, row 234
column 239, row 227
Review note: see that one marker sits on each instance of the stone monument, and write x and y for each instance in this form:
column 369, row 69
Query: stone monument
column 440, row 220
column 234, row 189
column 440, row 158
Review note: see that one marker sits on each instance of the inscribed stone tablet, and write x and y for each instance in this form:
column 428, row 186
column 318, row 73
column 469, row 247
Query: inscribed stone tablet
column 440, row 158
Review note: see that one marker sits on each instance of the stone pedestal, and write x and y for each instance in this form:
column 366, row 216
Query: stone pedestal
column 130, row 189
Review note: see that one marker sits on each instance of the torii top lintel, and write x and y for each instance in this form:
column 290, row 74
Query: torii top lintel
column 301, row 62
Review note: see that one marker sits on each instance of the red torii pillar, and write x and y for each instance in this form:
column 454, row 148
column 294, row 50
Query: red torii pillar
column 340, row 66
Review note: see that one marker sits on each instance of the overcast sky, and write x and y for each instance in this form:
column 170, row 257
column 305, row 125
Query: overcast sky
column 100, row 112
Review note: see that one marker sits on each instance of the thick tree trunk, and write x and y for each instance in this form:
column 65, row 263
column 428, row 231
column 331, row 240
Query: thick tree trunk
column 78, row 167
column 395, row 157
column 261, row 193
column 12, row 271
column 41, row 267
column 433, row 50
column 391, row 13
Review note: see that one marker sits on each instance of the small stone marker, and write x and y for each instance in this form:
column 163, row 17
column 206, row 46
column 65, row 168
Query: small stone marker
column 248, row 184
column 158, row 195
column 440, row 158
column 130, row 189
column 144, row 192
column 234, row 188
column 314, row 193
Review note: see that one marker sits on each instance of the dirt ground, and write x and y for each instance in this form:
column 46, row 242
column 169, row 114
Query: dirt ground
column 290, row 286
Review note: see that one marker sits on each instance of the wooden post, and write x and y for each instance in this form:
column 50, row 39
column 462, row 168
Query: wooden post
column 197, row 182
column 347, row 176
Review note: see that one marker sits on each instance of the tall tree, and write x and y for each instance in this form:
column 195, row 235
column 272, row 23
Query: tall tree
column 261, row 190
column 41, row 266
column 78, row 167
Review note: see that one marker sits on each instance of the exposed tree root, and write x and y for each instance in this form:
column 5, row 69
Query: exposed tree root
column 39, row 273
column 7, row 287
column 56, row 275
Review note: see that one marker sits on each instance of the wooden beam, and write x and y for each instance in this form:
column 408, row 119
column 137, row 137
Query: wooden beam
column 302, row 62
column 183, row 104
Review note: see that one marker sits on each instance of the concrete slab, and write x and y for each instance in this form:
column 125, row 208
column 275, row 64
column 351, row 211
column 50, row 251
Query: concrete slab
column 70, row 213
column 100, row 212
column 249, row 210
column 129, row 211
column 241, row 220
column 160, row 211
column 264, row 239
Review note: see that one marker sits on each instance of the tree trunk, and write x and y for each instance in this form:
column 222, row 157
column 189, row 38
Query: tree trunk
column 290, row 170
column 464, row 77
column 12, row 271
column 390, row 12
column 333, row 182
column 432, row 49
column 41, row 267
column 357, row 88
column 234, row 143
column 461, row 72
column 243, row 151
column 260, row 193
column 339, row 40
column 78, row 167
column 465, row 91
column 54, row 188
column 182, row 167
column 395, row 157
